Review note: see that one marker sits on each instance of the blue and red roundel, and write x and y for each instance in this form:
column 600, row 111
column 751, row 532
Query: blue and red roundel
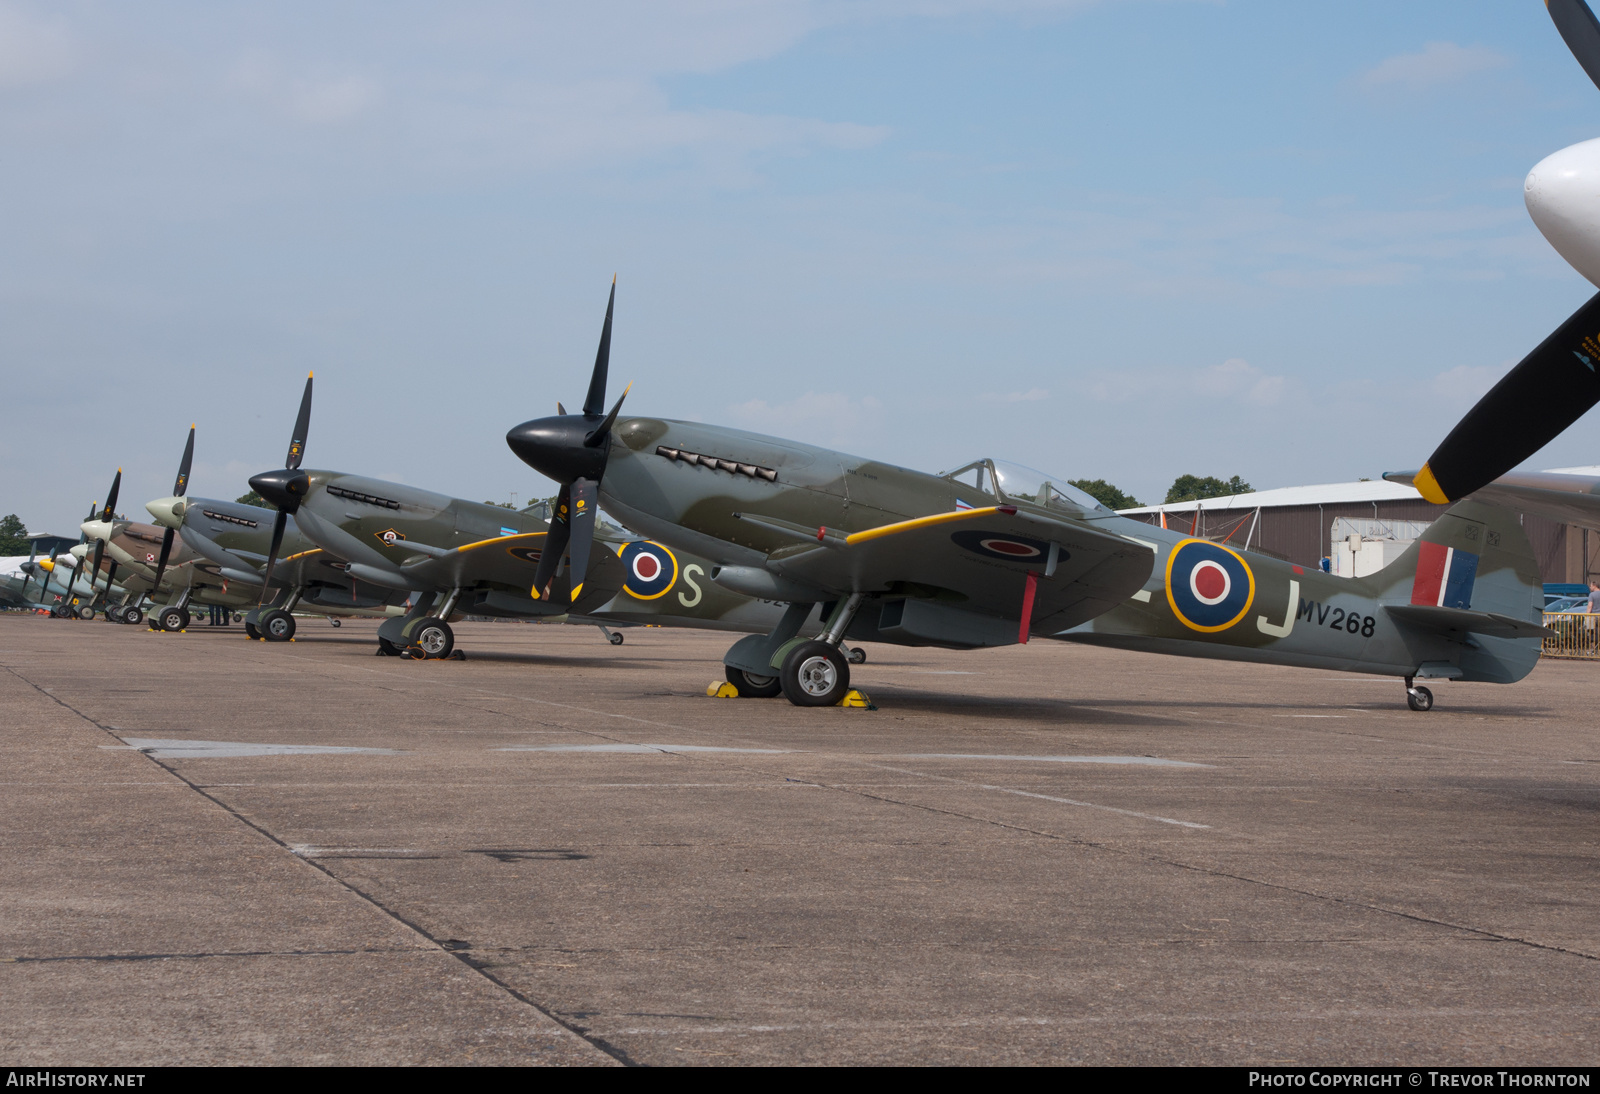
column 1004, row 545
column 1209, row 587
column 648, row 569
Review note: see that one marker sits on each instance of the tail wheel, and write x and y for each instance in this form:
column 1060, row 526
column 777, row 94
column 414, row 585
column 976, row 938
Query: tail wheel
column 432, row 639
column 858, row 656
column 1419, row 699
column 815, row 674
column 750, row 685
column 616, row 638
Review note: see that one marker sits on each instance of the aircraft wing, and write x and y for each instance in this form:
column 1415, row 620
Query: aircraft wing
column 1571, row 499
column 978, row 560
column 510, row 561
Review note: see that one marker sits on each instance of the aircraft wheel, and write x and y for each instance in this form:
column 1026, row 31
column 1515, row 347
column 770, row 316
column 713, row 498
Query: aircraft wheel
column 616, row 638
column 133, row 616
column 171, row 619
column 387, row 648
column 238, row 617
column 335, row 623
column 251, row 632
column 1419, row 699
column 815, row 674
column 276, row 626
column 86, row 612
column 858, row 656
column 432, row 640
column 751, row 686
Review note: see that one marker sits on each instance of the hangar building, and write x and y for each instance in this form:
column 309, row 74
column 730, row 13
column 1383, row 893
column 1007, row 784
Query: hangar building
column 1297, row 523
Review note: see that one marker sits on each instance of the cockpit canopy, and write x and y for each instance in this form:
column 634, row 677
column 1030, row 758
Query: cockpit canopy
column 1013, row 482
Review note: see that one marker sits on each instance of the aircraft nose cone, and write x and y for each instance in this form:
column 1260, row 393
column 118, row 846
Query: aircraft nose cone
column 1562, row 193
column 168, row 512
column 283, row 488
column 554, row 447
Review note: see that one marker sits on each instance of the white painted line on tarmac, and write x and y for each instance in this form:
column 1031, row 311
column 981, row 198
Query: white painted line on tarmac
column 1311, row 715
column 943, row 672
column 667, row 749
column 163, row 748
column 1092, row 805
column 1145, row 761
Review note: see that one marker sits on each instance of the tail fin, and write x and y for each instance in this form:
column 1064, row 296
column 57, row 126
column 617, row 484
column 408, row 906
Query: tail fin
column 1472, row 573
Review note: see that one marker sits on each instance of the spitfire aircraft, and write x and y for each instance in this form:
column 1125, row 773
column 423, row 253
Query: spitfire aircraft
column 989, row 553
column 447, row 555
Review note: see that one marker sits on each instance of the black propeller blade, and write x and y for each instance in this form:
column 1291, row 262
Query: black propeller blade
column 1580, row 30
column 180, row 488
column 106, row 514
column 285, row 489
column 572, row 449
column 1549, row 389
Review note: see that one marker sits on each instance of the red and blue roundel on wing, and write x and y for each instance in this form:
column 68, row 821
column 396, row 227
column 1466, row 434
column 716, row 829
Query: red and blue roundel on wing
column 648, row 569
column 1006, row 546
column 1209, row 587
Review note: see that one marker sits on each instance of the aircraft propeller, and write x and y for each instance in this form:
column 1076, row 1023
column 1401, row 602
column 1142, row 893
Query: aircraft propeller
column 572, row 449
column 109, row 513
column 1550, row 388
column 179, row 489
column 285, row 489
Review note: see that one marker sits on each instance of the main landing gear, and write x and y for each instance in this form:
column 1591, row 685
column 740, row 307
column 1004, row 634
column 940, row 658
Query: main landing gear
column 1418, row 698
column 809, row 672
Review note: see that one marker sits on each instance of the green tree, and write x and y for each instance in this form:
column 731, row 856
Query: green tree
column 1194, row 488
column 13, row 536
column 500, row 504
column 1106, row 494
column 252, row 498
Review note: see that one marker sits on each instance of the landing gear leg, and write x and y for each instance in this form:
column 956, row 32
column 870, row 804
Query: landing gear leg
column 1418, row 698
column 817, row 673
column 748, row 663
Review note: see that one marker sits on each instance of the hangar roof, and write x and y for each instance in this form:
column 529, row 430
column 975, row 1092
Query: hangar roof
column 1332, row 493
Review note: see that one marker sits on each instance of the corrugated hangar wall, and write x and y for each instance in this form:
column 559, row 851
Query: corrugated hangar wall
column 1300, row 533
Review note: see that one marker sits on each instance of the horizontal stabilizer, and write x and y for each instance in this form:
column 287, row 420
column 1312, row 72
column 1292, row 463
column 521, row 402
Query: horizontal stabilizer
column 1492, row 624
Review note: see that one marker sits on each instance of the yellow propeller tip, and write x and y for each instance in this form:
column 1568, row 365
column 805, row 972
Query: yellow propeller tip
column 576, row 592
column 1428, row 486
column 613, row 279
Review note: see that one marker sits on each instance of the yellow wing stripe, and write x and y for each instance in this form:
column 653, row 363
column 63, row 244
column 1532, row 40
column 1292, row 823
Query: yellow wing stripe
column 921, row 522
column 303, row 554
column 496, row 539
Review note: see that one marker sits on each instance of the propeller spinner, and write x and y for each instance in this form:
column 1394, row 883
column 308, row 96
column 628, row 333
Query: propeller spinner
column 572, row 449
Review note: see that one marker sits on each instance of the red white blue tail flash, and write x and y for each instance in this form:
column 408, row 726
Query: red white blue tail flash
column 1444, row 576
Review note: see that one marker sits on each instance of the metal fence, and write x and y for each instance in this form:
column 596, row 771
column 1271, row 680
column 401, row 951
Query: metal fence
column 1577, row 635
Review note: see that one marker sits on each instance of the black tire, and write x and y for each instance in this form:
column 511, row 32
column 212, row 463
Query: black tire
column 751, row 686
column 387, row 648
column 1419, row 699
column 85, row 612
column 187, row 619
column 858, row 656
column 615, row 639
column 276, row 626
column 251, row 632
column 132, row 616
column 815, row 674
column 432, row 640
column 335, row 623
column 170, row 619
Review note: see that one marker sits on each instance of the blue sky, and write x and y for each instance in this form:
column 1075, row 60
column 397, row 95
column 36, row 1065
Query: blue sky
column 1126, row 240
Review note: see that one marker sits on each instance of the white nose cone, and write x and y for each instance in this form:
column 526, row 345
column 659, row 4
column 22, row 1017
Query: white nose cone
column 167, row 511
column 1563, row 196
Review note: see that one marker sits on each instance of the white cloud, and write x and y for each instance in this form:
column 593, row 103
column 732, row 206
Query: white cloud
column 1466, row 384
column 1237, row 377
column 32, row 51
column 1437, row 63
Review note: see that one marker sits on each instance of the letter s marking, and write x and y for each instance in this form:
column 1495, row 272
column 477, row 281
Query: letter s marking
column 688, row 579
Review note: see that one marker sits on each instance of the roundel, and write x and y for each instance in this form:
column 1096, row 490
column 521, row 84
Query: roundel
column 648, row 569
column 1209, row 587
column 1004, row 545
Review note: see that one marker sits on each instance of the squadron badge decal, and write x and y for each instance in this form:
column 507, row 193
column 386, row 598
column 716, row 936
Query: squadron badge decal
column 1209, row 586
column 649, row 569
